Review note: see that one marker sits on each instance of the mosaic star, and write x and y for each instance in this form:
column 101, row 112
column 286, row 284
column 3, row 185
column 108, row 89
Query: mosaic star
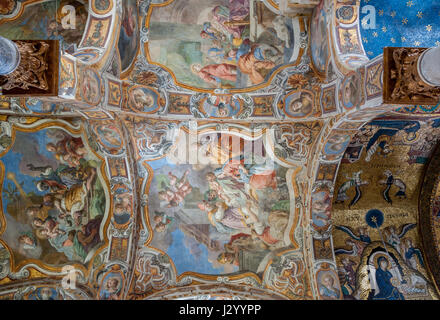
column 428, row 28
column 420, row 14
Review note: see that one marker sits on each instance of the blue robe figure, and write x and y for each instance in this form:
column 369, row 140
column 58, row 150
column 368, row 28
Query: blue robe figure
column 383, row 280
column 365, row 238
column 409, row 256
column 331, row 293
column 327, row 289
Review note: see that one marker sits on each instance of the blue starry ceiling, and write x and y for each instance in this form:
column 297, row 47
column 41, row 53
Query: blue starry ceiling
column 400, row 23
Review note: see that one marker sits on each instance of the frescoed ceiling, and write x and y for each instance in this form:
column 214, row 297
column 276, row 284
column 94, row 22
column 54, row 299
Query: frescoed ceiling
column 220, row 149
column 398, row 24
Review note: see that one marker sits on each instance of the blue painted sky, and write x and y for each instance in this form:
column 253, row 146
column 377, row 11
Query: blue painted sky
column 157, row 164
column 185, row 261
column 401, row 23
column 12, row 161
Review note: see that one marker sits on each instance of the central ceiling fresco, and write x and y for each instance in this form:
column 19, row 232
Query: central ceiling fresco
column 222, row 217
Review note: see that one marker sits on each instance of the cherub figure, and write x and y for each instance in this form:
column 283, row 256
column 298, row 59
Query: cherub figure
column 357, row 242
column 216, row 187
column 162, row 221
column 27, row 241
column 176, row 191
column 68, row 150
column 354, row 181
column 48, row 228
column 111, row 289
